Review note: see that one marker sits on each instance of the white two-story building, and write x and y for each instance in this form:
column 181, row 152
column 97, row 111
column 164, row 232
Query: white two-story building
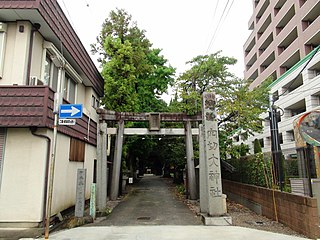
column 40, row 54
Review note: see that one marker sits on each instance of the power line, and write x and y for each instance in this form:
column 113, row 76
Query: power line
column 213, row 17
column 304, row 67
column 70, row 19
column 302, row 91
column 223, row 16
column 220, row 26
column 227, row 13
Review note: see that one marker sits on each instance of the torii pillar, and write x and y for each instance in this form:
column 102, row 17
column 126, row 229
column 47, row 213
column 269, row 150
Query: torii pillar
column 192, row 185
column 102, row 169
column 117, row 162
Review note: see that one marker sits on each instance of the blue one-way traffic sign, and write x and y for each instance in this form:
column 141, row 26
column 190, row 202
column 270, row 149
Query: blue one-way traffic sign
column 70, row 111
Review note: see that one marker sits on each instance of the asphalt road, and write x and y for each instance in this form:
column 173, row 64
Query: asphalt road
column 150, row 203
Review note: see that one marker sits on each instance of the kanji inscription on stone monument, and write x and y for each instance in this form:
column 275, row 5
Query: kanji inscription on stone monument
column 80, row 194
column 212, row 156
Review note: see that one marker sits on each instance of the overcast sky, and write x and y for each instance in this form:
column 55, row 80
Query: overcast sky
column 183, row 29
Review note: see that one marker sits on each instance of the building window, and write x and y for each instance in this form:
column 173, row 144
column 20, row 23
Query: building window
column 261, row 142
column 77, row 150
column 69, row 91
column 3, row 28
column 51, row 73
column 3, row 134
column 280, row 138
column 94, row 102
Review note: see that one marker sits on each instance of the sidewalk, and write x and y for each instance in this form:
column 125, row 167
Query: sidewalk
column 17, row 233
column 169, row 233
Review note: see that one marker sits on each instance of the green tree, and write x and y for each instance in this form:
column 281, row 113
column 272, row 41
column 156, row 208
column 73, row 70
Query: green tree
column 135, row 74
column 238, row 107
column 207, row 73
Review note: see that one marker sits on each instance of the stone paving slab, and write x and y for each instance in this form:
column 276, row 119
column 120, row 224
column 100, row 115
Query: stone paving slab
column 169, row 233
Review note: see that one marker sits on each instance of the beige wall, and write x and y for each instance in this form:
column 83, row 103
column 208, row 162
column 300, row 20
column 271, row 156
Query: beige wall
column 89, row 110
column 66, row 174
column 21, row 193
column 16, row 55
column 23, row 177
column 37, row 56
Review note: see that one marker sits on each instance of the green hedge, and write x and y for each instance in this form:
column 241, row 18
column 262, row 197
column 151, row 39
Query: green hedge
column 252, row 169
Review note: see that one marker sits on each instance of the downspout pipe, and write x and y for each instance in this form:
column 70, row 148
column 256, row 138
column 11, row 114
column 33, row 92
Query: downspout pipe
column 35, row 28
column 45, row 193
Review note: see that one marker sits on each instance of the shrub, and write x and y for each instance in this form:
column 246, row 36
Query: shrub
column 252, row 169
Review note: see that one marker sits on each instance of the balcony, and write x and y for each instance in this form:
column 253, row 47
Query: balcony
column 32, row 106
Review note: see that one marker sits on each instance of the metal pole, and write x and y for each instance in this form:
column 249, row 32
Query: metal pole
column 57, row 102
column 52, row 165
column 308, row 168
column 275, row 144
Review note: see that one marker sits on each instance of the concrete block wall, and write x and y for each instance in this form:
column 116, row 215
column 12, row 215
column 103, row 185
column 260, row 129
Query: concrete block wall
column 300, row 213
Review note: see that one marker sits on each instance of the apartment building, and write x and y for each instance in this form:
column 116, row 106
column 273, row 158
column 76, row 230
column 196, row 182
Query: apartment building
column 283, row 32
column 40, row 54
column 283, row 45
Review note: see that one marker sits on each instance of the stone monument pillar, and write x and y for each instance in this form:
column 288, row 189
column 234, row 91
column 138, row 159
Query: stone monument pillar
column 215, row 202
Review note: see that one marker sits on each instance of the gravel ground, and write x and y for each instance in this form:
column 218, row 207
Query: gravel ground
column 241, row 216
column 244, row 217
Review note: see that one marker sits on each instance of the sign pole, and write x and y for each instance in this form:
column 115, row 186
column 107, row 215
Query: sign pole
column 52, row 165
column 57, row 101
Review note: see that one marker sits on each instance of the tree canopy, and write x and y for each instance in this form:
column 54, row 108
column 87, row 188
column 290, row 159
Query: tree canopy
column 135, row 74
column 238, row 108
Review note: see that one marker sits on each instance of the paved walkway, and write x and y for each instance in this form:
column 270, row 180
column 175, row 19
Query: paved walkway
column 151, row 212
column 150, row 203
column 168, row 233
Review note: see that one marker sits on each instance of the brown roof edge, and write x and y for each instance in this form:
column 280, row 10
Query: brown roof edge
column 71, row 41
column 52, row 13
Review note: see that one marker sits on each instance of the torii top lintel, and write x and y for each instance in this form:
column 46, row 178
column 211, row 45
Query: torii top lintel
column 108, row 115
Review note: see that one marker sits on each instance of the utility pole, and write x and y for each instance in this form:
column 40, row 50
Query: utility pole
column 275, row 143
column 57, row 102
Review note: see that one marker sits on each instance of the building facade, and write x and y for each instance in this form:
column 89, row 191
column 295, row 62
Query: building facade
column 283, row 45
column 283, row 33
column 40, row 55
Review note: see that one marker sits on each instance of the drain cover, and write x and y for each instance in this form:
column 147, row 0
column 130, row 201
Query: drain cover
column 255, row 222
column 143, row 218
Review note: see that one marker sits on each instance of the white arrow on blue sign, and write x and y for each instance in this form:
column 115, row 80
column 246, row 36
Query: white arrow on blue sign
column 70, row 111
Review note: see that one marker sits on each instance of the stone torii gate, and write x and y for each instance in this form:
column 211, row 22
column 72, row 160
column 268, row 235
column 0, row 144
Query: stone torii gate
column 212, row 201
column 154, row 120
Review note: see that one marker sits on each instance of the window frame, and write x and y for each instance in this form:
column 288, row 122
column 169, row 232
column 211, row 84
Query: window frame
column 60, row 62
column 3, row 40
column 3, row 137
column 77, row 150
column 94, row 102
column 53, row 73
column 68, row 80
